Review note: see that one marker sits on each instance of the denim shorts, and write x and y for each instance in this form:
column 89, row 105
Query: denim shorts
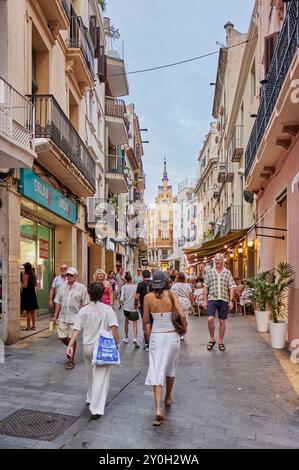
column 220, row 306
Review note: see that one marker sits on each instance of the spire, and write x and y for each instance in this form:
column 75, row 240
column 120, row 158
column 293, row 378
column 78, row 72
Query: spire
column 165, row 176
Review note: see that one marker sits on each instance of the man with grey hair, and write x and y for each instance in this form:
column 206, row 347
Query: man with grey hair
column 69, row 300
column 218, row 296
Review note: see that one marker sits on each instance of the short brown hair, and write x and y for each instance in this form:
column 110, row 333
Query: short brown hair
column 181, row 277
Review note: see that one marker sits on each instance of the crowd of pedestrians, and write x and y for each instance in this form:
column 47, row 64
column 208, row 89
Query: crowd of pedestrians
column 152, row 296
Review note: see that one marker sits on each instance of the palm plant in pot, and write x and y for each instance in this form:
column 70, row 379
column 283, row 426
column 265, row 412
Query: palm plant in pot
column 260, row 297
column 284, row 277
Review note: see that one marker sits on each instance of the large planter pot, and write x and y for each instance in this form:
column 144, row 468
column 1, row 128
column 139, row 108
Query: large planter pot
column 262, row 321
column 278, row 333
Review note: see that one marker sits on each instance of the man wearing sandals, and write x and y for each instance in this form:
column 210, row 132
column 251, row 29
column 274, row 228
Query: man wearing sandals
column 218, row 296
column 69, row 300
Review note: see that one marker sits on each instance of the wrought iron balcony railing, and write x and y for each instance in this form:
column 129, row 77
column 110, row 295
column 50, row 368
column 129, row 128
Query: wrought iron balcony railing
column 234, row 219
column 221, row 172
column 115, row 108
column 116, row 164
column 285, row 51
column 79, row 38
column 237, row 147
column 16, row 116
column 52, row 123
column 67, row 7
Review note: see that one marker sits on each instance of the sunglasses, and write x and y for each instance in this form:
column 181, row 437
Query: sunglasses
column 70, row 275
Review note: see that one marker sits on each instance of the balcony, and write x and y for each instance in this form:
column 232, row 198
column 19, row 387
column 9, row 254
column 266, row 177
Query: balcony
column 216, row 192
column 16, row 129
column 65, row 154
column 80, row 54
column 116, row 70
column 117, row 121
column 56, row 14
column 277, row 118
column 115, row 174
column 229, row 171
column 234, row 219
column 101, row 216
column 237, row 148
column 221, row 171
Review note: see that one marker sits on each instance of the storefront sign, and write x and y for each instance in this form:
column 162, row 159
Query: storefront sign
column 36, row 189
column 43, row 249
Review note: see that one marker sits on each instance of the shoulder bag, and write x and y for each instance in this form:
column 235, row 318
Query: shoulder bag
column 105, row 350
column 179, row 323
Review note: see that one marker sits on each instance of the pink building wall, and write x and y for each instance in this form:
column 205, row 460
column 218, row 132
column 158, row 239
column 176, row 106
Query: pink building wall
column 271, row 249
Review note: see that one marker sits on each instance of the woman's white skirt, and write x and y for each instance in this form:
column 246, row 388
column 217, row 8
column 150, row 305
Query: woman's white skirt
column 164, row 352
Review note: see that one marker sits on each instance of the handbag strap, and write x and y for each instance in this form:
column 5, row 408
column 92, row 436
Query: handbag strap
column 101, row 322
column 172, row 301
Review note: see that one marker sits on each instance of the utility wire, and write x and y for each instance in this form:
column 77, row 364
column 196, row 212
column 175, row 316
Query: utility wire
column 182, row 61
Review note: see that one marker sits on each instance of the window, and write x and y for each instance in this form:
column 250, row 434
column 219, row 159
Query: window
column 270, row 45
column 253, row 81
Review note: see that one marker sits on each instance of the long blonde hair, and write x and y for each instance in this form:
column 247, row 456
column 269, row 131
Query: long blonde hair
column 99, row 271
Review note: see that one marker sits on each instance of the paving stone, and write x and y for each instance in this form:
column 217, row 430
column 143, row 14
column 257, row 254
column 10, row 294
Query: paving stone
column 209, row 410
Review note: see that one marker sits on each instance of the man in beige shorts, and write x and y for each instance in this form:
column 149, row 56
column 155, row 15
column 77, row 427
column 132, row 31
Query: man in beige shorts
column 69, row 300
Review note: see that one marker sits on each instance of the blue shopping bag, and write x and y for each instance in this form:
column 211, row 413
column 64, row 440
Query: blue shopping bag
column 105, row 351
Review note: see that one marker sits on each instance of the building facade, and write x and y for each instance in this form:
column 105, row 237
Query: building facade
column 271, row 159
column 160, row 225
column 64, row 135
column 186, row 223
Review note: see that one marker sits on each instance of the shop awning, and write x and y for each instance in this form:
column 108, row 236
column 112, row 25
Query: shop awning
column 174, row 257
column 211, row 248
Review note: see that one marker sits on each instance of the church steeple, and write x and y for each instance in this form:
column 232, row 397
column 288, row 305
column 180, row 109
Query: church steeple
column 165, row 175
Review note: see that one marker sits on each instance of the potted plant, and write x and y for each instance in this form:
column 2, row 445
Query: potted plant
column 103, row 4
column 260, row 296
column 284, row 277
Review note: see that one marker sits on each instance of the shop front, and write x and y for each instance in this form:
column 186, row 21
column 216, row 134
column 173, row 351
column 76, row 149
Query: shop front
column 46, row 231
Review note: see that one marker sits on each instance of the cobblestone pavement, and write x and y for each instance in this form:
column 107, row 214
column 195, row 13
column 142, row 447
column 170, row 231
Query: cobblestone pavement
column 238, row 399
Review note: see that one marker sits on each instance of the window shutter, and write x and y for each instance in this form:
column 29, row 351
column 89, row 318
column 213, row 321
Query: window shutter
column 93, row 30
column 270, row 44
column 102, row 65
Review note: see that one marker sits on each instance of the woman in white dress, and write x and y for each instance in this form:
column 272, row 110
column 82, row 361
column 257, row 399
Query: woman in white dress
column 92, row 319
column 164, row 341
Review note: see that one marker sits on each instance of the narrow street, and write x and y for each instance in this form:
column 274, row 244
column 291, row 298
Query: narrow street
column 238, row 399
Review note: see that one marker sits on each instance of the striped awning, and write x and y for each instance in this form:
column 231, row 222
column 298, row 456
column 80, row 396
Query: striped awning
column 211, row 248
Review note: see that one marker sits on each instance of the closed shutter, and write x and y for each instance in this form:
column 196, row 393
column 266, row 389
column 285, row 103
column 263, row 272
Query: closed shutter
column 102, row 58
column 270, row 44
column 93, row 30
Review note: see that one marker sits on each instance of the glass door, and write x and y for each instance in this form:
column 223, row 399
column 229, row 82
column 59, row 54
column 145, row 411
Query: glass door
column 37, row 249
column 44, row 266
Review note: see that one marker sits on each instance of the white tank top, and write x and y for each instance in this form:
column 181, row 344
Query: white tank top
column 162, row 323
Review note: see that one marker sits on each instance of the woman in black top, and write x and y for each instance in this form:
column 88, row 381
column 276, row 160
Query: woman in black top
column 28, row 296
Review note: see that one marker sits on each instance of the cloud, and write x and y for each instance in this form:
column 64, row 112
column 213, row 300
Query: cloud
column 190, row 124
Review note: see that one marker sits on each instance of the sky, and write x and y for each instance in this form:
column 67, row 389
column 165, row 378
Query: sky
column 174, row 104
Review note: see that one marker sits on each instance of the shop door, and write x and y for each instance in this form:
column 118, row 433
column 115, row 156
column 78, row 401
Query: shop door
column 37, row 249
column 44, row 268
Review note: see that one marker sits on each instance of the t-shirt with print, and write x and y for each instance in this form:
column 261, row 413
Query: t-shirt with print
column 183, row 291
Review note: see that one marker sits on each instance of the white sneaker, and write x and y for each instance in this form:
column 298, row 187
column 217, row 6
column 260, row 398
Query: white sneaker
column 126, row 340
column 182, row 338
column 135, row 342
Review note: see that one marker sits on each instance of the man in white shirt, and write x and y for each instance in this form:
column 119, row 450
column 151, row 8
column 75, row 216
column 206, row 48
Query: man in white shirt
column 57, row 282
column 69, row 300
